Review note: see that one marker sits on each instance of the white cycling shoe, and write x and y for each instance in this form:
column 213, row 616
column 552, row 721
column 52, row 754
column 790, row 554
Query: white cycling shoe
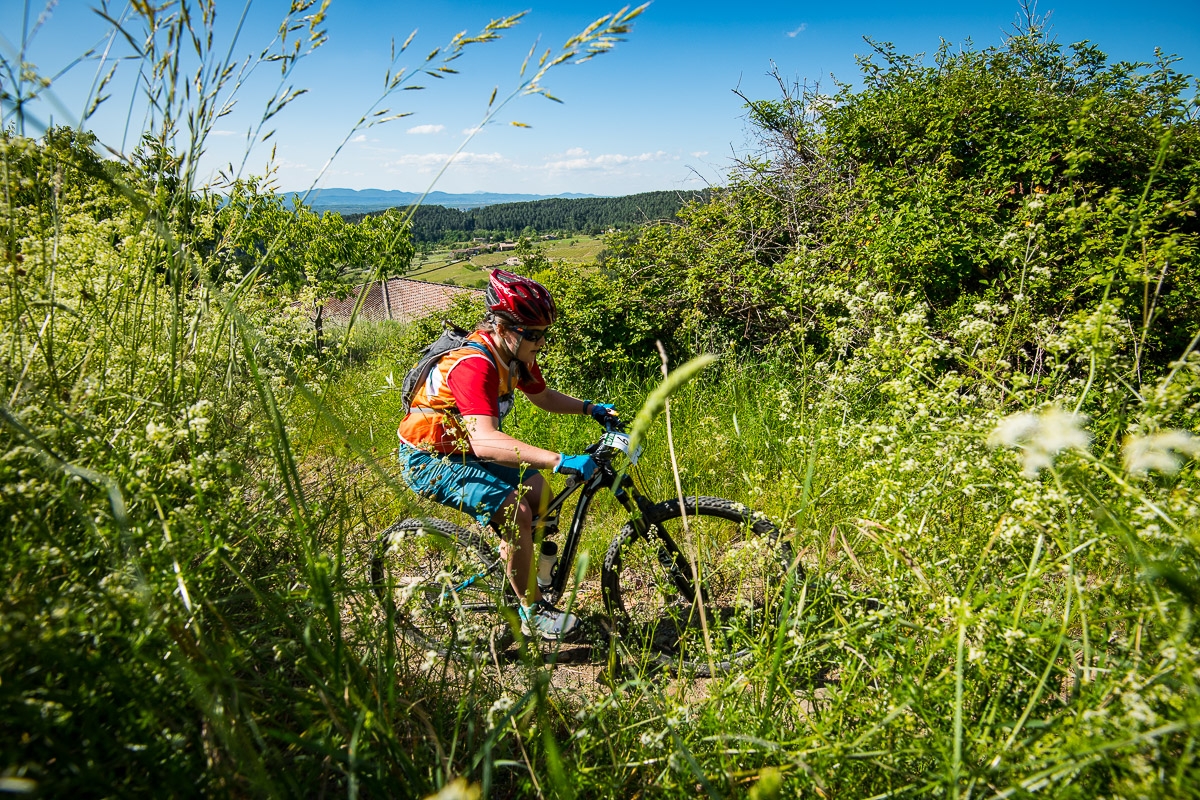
column 546, row 621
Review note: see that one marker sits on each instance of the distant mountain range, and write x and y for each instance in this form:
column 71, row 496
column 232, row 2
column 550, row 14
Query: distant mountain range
column 361, row 201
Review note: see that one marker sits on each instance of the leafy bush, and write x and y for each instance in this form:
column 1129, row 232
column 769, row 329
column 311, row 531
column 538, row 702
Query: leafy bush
column 606, row 325
column 1029, row 175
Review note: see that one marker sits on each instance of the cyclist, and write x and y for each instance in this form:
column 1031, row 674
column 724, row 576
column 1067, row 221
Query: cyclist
column 453, row 451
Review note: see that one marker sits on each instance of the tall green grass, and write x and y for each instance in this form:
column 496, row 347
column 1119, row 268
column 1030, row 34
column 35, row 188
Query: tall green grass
column 184, row 609
column 999, row 598
column 967, row 626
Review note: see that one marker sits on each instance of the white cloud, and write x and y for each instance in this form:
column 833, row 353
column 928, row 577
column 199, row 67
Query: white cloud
column 471, row 131
column 422, row 129
column 793, row 34
column 362, row 137
column 427, row 162
column 282, row 162
column 699, row 154
column 576, row 159
column 222, row 133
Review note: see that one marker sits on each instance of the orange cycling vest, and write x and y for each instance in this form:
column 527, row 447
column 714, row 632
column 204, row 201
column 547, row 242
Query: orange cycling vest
column 433, row 422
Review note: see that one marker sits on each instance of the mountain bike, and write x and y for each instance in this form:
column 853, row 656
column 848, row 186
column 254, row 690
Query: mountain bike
column 694, row 586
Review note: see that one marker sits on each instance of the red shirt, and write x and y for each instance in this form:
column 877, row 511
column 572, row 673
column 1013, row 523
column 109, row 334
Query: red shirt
column 475, row 384
column 464, row 383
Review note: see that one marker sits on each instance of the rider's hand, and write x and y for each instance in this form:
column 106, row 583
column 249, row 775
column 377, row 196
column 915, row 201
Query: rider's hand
column 601, row 412
column 582, row 465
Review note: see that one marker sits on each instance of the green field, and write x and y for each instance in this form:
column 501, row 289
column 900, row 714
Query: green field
column 441, row 267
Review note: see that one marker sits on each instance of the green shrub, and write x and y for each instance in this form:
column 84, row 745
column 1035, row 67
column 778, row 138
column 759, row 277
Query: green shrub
column 1029, row 175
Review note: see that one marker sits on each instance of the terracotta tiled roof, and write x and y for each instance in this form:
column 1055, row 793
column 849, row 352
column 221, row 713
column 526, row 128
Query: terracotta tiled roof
column 400, row 299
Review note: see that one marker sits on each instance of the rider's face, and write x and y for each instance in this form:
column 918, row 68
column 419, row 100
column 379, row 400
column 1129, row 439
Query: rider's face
column 525, row 340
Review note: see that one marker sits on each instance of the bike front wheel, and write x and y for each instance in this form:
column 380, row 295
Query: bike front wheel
column 444, row 587
column 701, row 614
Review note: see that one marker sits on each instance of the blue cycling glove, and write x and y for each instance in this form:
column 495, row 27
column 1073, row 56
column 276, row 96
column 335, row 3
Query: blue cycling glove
column 600, row 411
column 582, row 465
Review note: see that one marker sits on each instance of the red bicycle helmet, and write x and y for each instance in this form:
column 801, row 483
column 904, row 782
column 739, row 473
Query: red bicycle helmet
column 520, row 300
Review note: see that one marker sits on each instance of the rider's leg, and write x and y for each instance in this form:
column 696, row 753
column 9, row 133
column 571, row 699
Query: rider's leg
column 514, row 520
column 485, row 491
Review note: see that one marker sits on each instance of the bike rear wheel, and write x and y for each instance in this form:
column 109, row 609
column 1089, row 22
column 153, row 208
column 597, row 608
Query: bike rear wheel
column 662, row 609
column 444, row 587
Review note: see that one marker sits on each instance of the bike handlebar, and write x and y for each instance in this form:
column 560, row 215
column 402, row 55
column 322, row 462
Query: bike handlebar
column 612, row 423
column 597, row 449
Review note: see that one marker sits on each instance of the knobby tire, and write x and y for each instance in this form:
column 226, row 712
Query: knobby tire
column 443, row 586
column 652, row 596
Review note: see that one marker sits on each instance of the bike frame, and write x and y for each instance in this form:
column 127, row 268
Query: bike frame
column 546, row 525
column 548, row 522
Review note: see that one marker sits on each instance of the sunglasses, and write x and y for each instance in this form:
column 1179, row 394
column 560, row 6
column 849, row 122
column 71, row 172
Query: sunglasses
column 530, row 335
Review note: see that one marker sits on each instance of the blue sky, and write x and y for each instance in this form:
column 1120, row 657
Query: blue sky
column 658, row 112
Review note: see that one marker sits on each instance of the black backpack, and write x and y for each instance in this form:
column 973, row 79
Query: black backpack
column 452, row 338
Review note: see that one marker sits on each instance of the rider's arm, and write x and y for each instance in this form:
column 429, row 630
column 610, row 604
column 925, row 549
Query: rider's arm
column 491, row 444
column 557, row 402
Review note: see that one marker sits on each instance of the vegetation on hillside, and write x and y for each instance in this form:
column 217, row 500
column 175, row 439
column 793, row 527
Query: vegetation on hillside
column 447, row 266
column 1033, row 177
column 506, row 221
column 957, row 314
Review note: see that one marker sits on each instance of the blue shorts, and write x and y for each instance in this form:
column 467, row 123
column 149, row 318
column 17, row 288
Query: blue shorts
column 461, row 481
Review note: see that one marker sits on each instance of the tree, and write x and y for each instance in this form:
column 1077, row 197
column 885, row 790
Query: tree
column 251, row 227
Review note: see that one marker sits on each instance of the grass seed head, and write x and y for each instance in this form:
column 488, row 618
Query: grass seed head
column 1041, row 437
column 1159, row 452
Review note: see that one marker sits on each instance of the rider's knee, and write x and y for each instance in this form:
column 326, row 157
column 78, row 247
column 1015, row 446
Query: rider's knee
column 537, row 494
column 524, row 514
column 516, row 514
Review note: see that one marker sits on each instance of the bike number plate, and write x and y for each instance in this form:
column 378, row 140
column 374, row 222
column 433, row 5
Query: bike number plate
column 620, row 441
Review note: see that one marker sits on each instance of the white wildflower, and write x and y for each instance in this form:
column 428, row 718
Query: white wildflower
column 1138, row 710
column 197, row 418
column 653, row 740
column 1012, row 635
column 1060, row 431
column 158, row 434
column 1013, row 431
column 1041, row 437
column 1159, row 452
column 501, row 706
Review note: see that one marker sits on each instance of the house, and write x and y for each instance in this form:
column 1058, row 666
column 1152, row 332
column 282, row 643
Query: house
column 400, row 299
column 512, row 261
